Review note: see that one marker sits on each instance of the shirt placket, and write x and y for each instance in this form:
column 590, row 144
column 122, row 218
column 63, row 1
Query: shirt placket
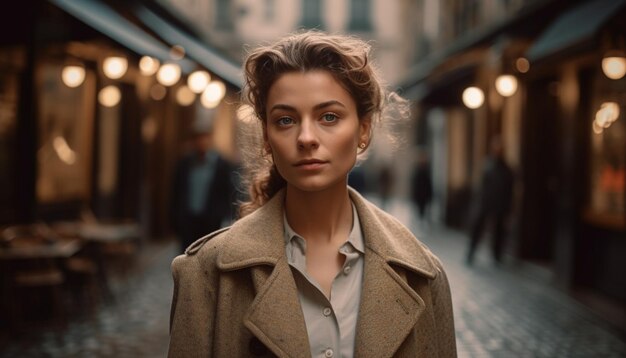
column 330, row 324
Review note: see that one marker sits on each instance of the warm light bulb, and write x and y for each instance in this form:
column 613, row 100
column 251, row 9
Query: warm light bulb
column 214, row 91
column 168, row 74
column 522, row 65
column 184, row 96
column 207, row 103
column 73, row 76
column 198, row 81
column 506, row 85
column 607, row 114
column 473, row 97
column 614, row 67
column 148, row 65
column 109, row 96
column 157, row 92
column 114, row 67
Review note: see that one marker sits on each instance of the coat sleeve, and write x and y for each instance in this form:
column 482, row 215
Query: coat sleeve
column 192, row 314
column 444, row 318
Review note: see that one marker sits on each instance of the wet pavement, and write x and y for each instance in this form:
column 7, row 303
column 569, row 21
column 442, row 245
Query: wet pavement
column 134, row 323
column 511, row 310
column 504, row 311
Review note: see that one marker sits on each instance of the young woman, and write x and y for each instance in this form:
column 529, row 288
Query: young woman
column 312, row 268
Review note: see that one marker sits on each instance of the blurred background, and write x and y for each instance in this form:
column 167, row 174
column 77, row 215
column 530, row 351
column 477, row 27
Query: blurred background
column 100, row 99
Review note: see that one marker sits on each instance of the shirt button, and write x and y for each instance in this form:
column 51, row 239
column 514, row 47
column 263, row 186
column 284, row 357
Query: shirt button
column 347, row 270
column 329, row 353
column 327, row 311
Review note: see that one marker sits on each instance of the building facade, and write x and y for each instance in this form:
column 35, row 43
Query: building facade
column 562, row 127
column 96, row 107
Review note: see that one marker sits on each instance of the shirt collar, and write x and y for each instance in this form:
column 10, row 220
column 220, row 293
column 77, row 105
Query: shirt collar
column 355, row 238
column 383, row 236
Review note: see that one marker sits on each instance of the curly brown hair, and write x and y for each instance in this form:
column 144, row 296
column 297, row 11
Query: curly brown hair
column 346, row 58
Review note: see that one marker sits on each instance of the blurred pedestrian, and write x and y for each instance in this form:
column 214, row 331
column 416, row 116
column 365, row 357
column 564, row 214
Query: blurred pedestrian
column 202, row 191
column 421, row 184
column 496, row 195
column 312, row 268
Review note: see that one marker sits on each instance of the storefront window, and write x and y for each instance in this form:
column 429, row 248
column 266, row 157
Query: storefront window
column 608, row 157
column 65, row 135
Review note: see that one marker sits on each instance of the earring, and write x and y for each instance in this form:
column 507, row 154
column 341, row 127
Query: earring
column 362, row 145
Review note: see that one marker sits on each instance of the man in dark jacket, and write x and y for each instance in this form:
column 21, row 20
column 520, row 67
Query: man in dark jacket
column 495, row 201
column 202, row 192
column 421, row 186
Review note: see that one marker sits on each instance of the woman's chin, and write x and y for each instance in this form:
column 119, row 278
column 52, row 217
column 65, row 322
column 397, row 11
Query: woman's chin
column 316, row 185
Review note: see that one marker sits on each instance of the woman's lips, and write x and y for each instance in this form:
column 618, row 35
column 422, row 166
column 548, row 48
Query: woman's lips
column 311, row 164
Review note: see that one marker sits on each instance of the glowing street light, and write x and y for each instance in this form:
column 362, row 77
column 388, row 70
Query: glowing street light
column 168, row 74
column 213, row 94
column 114, row 67
column 73, row 76
column 522, row 65
column 148, row 65
column 506, row 85
column 109, row 96
column 473, row 97
column 614, row 67
column 184, row 96
column 198, row 80
column 157, row 92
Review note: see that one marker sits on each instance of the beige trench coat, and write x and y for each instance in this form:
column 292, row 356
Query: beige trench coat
column 235, row 296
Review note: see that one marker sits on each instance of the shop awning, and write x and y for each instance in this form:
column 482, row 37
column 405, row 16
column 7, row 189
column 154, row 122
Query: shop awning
column 210, row 58
column 574, row 26
column 106, row 20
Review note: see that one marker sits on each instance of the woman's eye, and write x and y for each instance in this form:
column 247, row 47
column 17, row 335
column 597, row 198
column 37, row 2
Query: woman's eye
column 329, row 117
column 284, row 121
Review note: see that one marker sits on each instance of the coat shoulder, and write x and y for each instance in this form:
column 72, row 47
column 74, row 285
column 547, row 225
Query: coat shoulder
column 200, row 254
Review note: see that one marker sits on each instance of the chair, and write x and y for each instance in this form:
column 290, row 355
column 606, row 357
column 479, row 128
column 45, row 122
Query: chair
column 36, row 284
column 84, row 270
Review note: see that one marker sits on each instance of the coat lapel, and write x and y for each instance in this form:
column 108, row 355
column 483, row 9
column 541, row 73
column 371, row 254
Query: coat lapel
column 275, row 316
column 389, row 308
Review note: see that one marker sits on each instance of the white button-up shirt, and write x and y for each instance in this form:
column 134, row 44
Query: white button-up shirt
column 331, row 325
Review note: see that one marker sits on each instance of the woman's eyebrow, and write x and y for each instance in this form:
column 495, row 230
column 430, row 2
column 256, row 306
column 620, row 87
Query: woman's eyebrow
column 316, row 107
column 282, row 106
column 328, row 104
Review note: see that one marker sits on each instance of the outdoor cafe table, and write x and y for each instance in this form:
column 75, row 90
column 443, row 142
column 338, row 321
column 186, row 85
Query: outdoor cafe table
column 57, row 249
column 31, row 251
column 100, row 232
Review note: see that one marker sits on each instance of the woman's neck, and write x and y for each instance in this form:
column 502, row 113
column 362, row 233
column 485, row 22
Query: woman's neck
column 319, row 216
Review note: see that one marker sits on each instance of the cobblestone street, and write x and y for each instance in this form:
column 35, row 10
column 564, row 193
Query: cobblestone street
column 500, row 311
column 135, row 324
column 510, row 310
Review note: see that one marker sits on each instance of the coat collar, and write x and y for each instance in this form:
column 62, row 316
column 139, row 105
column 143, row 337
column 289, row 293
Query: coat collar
column 383, row 234
column 389, row 307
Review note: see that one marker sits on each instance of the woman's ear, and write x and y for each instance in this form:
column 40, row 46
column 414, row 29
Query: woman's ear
column 365, row 130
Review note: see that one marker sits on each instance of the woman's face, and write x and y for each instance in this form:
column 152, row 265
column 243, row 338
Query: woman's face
column 313, row 130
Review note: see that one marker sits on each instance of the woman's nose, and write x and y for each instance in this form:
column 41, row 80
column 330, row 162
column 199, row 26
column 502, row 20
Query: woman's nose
column 307, row 137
